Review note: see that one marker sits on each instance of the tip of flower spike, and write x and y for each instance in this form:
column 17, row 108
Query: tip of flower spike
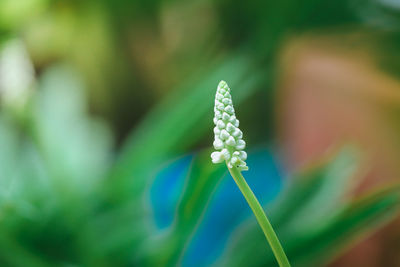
column 222, row 83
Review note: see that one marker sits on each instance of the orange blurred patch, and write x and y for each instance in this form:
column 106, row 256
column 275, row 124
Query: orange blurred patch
column 331, row 91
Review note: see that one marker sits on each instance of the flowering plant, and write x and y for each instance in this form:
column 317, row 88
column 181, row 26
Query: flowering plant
column 229, row 143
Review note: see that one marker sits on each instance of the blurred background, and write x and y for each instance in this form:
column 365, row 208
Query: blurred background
column 106, row 114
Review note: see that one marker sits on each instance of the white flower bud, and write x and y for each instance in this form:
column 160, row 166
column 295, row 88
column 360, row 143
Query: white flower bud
column 234, row 160
column 220, row 124
column 218, row 144
column 226, row 101
column 229, row 109
column 225, row 116
column 230, row 128
column 224, row 135
column 228, row 137
column 216, row 157
column 225, row 154
column 237, row 133
column 220, row 106
column 240, row 144
column 230, row 141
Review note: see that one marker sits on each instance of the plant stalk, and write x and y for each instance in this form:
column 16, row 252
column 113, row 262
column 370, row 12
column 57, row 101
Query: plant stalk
column 261, row 217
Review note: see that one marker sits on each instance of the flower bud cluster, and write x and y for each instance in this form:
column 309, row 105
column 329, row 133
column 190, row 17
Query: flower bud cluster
column 228, row 137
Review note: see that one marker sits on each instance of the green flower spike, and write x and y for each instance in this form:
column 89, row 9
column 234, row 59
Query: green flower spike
column 229, row 145
column 228, row 137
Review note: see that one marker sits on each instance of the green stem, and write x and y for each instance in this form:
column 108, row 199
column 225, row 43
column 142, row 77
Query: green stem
column 261, row 217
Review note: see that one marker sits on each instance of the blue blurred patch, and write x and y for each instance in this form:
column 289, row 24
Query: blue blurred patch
column 167, row 189
column 228, row 209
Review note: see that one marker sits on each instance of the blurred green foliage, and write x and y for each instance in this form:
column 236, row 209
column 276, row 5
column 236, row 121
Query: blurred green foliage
column 56, row 207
